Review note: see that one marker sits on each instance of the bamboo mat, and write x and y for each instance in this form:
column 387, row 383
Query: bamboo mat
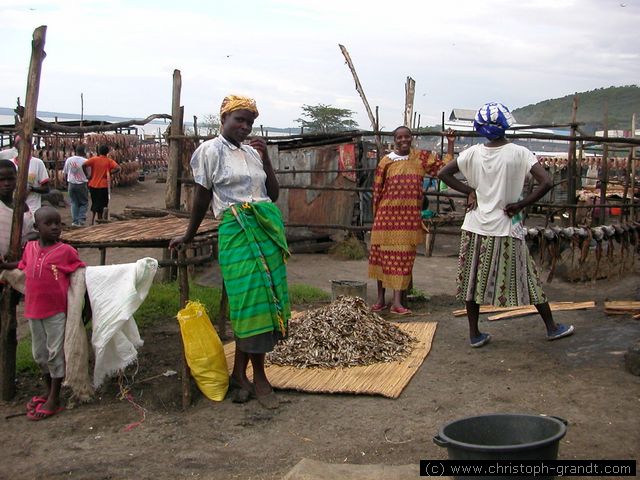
column 139, row 230
column 386, row 379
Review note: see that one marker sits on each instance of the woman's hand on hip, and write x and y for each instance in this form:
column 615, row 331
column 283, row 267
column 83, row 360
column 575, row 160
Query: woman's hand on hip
column 512, row 209
column 472, row 201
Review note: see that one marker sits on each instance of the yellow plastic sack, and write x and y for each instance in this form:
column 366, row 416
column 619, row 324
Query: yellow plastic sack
column 203, row 351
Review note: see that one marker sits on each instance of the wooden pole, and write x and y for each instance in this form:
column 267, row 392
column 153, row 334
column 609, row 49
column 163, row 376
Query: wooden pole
column 360, row 90
column 195, row 125
column 409, row 95
column 376, row 128
column 571, row 164
column 8, row 338
column 358, row 85
column 441, row 154
column 183, row 282
column 172, row 197
column 604, row 174
column 633, row 168
column 41, row 125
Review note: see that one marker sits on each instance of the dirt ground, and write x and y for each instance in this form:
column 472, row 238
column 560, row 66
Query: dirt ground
column 581, row 378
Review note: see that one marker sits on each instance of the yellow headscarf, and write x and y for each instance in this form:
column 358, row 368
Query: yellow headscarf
column 231, row 103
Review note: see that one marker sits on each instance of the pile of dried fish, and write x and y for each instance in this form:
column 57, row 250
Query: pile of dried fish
column 343, row 334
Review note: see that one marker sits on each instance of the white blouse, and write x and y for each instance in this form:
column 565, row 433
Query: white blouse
column 234, row 174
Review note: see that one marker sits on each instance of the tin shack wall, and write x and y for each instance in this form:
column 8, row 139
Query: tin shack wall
column 314, row 207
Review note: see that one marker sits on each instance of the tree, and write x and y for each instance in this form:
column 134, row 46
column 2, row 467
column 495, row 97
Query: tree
column 325, row 119
column 210, row 124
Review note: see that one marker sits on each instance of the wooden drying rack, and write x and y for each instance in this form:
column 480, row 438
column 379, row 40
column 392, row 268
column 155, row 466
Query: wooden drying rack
column 153, row 232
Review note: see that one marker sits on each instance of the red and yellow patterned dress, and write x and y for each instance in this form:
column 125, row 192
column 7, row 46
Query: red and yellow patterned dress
column 397, row 224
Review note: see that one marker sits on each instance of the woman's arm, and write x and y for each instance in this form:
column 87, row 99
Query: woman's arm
column 544, row 185
column 447, row 175
column 273, row 188
column 42, row 189
column 378, row 183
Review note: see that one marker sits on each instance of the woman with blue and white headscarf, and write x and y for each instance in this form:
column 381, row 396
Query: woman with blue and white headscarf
column 495, row 266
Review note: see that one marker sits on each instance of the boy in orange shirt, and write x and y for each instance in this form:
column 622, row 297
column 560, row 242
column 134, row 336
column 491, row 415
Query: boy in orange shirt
column 97, row 169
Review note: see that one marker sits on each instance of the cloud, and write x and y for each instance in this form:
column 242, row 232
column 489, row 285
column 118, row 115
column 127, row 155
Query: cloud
column 285, row 53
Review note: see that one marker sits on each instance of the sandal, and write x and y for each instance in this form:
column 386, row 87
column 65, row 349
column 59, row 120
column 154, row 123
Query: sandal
column 561, row 331
column 481, row 340
column 40, row 413
column 400, row 311
column 377, row 307
column 34, row 402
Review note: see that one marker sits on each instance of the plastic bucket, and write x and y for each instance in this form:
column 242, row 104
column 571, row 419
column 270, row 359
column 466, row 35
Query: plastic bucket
column 349, row 288
column 502, row 436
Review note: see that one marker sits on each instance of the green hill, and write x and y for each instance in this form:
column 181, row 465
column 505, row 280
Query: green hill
column 622, row 103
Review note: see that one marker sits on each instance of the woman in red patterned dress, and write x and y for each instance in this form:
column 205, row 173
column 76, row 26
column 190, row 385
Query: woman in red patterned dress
column 397, row 225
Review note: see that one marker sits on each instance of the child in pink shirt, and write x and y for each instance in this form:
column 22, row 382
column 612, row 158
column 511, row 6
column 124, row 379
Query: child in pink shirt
column 47, row 264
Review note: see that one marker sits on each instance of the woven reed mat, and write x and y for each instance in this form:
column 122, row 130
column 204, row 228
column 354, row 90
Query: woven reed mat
column 138, row 230
column 386, row 379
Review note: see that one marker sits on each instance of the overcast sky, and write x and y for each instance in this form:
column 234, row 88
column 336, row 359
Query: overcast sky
column 284, row 53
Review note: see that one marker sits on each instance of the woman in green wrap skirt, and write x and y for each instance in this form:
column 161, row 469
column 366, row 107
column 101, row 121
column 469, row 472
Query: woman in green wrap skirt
column 239, row 183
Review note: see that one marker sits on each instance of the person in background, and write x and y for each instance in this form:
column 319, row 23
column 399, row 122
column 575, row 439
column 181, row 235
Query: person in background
column 9, row 153
column 98, row 170
column 592, row 173
column 47, row 264
column 77, row 187
column 397, row 225
column 8, row 180
column 238, row 181
column 495, row 266
column 621, row 170
column 38, row 178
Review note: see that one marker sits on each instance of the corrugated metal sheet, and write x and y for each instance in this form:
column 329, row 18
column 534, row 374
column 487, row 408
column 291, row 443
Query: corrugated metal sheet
column 306, row 206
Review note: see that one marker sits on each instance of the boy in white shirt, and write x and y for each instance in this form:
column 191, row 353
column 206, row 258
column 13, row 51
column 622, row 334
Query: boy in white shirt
column 77, row 187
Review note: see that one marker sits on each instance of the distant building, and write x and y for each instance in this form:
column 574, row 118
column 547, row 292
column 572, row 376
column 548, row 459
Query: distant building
column 617, row 133
column 461, row 119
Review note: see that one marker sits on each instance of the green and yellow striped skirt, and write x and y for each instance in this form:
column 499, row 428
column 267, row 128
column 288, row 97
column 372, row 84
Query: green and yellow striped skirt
column 252, row 251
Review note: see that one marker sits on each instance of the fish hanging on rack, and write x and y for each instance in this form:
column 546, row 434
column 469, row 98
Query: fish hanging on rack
column 598, row 236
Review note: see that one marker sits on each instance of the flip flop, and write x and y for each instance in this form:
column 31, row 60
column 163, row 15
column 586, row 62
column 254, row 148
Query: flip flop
column 34, row 402
column 400, row 311
column 40, row 413
column 377, row 307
